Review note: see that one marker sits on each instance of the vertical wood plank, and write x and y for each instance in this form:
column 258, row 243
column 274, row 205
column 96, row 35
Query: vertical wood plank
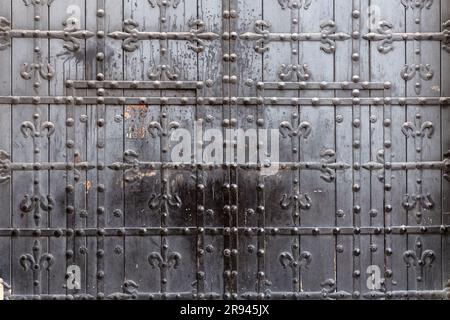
column 28, row 183
column 209, row 201
column 322, row 138
column 136, row 138
column 246, row 186
column 5, row 150
column 344, row 150
column 445, row 119
column 68, row 66
column 427, row 148
column 87, row 121
column 112, row 151
column 386, row 67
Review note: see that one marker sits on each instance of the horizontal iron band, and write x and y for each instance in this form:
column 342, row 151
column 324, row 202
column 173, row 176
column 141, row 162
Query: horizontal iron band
column 49, row 34
column 149, row 35
column 268, row 101
column 409, row 294
column 401, row 294
column 280, row 85
column 295, row 37
column 407, row 36
column 135, row 85
column 340, row 295
column 93, row 84
column 217, row 231
column 142, row 165
column 119, row 296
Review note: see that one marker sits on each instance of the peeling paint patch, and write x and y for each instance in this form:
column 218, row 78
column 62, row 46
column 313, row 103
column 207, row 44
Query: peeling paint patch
column 146, row 174
column 135, row 115
column 134, row 110
column 4, row 288
column 87, row 185
column 136, row 132
column 436, row 88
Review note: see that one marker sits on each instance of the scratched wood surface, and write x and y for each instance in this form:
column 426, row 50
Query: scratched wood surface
column 356, row 91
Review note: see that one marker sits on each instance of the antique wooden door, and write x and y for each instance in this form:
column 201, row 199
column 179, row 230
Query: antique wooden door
column 93, row 207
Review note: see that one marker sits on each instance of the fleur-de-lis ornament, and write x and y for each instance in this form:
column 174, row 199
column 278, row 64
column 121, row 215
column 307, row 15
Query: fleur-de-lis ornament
column 295, row 4
column 73, row 34
column 5, row 35
column 417, row 4
column 29, row 128
column 420, row 200
column 129, row 291
column 131, row 157
column 130, row 287
column 130, row 44
column 164, row 261
column 163, row 130
column 327, row 156
column 379, row 165
column 329, row 36
column 292, row 72
column 37, row 70
column 298, row 201
column 303, row 201
column 447, row 166
column 295, row 260
column 328, row 286
column 384, row 32
column 199, row 36
column 410, row 130
column 423, row 71
column 419, row 258
column 329, row 291
column 31, row 203
column 164, row 200
column 303, row 130
column 157, row 129
column 164, row 71
column 38, row 2
column 37, row 260
column 172, row 260
column 260, row 36
column 288, row 260
column 164, row 3
column 4, row 166
column 446, row 33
